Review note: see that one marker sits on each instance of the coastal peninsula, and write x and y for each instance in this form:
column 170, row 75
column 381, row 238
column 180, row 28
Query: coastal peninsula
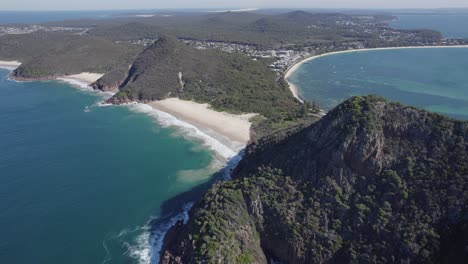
column 369, row 181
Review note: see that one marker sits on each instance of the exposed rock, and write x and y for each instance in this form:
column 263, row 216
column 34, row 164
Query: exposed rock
column 111, row 81
column 372, row 182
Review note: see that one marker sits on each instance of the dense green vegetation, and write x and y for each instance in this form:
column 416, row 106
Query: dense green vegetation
column 228, row 82
column 372, row 182
column 45, row 55
column 265, row 31
column 125, row 32
column 102, row 48
column 97, row 49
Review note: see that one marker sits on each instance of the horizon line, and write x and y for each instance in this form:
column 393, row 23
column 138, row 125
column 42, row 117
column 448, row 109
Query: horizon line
column 238, row 9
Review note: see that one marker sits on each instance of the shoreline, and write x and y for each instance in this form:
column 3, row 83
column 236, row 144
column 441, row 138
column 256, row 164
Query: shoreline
column 289, row 72
column 235, row 128
column 224, row 150
column 82, row 80
column 84, row 77
column 9, row 65
column 224, row 133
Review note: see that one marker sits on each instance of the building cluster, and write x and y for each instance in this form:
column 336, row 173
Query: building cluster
column 287, row 58
column 223, row 46
column 141, row 42
column 284, row 58
column 11, row 30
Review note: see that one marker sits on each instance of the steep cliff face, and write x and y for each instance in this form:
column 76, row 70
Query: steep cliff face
column 371, row 182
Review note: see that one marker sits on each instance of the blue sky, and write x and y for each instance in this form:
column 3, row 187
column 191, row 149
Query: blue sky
column 160, row 4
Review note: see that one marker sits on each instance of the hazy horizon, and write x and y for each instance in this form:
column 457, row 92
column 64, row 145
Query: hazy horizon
column 89, row 5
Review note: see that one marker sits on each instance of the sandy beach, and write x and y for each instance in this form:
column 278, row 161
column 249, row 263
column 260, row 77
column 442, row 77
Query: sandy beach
column 11, row 65
column 234, row 127
column 85, row 77
column 295, row 67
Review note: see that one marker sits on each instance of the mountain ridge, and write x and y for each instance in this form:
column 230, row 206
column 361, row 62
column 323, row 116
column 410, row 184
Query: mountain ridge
column 228, row 82
column 373, row 181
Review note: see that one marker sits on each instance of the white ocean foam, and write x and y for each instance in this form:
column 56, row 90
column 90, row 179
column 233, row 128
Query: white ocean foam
column 12, row 80
column 84, row 86
column 141, row 249
column 168, row 120
column 76, row 83
column 10, row 68
column 157, row 236
column 146, row 248
column 148, row 245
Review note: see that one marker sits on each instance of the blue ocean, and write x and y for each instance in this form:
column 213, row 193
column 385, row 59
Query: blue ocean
column 453, row 25
column 434, row 79
column 85, row 183
column 82, row 182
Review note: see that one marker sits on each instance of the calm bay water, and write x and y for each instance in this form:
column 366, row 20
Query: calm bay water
column 450, row 25
column 435, row 79
column 79, row 182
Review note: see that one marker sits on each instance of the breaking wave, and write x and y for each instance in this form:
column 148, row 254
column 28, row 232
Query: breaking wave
column 227, row 150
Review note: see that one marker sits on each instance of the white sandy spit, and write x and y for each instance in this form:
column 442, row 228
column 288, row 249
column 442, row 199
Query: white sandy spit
column 296, row 66
column 9, row 65
column 234, row 127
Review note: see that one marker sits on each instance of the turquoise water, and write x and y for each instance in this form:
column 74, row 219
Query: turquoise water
column 435, row 79
column 450, row 25
column 79, row 185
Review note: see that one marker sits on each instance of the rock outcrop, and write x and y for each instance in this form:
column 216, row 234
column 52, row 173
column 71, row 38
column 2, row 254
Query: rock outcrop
column 372, row 182
column 111, row 81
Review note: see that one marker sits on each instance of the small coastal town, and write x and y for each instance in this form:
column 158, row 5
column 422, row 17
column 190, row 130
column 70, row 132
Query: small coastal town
column 28, row 29
column 183, row 132
column 286, row 56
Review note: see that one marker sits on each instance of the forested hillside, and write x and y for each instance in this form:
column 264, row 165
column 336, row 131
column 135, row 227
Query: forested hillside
column 372, row 182
column 46, row 55
column 228, row 82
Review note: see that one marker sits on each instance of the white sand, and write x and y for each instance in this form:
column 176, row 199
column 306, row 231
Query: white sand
column 296, row 66
column 234, row 127
column 11, row 65
column 85, row 77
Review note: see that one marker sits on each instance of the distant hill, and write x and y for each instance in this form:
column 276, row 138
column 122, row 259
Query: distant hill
column 231, row 18
column 371, row 182
column 293, row 29
column 264, row 31
column 229, row 82
column 45, row 55
column 130, row 31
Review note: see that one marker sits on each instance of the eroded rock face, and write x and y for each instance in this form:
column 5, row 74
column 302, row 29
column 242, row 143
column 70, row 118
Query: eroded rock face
column 371, row 182
column 111, row 81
